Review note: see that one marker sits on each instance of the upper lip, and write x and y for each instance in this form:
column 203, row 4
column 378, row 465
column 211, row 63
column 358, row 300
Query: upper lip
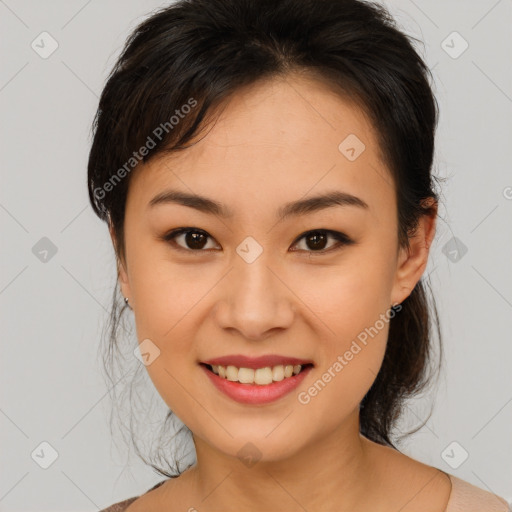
column 241, row 361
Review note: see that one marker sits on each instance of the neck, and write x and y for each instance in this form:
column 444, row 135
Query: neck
column 330, row 473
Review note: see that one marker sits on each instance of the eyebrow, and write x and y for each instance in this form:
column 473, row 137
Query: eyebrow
column 294, row 208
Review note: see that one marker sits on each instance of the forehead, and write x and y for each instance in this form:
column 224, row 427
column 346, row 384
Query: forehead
column 273, row 141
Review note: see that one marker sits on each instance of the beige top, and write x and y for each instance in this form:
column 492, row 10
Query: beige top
column 464, row 497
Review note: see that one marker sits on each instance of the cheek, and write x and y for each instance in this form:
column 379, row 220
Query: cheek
column 351, row 308
column 164, row 292
column 349, row 297
column 351, row 351
column 169, row 309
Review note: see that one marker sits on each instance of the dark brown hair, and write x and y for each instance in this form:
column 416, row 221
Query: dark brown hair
column 197, row 53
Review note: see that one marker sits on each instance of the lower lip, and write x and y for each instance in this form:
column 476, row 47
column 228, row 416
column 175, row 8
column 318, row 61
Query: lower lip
column 254, row 393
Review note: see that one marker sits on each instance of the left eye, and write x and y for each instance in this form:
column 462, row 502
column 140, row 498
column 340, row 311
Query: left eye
column 195, row 239
column 317, row 239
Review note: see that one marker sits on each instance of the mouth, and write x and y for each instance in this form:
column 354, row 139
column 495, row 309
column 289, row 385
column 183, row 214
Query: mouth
column 256, row 386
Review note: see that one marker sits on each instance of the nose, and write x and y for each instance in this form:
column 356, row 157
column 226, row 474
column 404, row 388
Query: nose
column 255, row 300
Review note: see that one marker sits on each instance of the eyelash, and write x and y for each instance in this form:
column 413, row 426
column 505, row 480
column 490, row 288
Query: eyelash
column 343, row 240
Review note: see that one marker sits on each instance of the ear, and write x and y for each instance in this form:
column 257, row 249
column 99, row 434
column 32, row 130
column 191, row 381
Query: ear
column 122, row 274
column 413, row 261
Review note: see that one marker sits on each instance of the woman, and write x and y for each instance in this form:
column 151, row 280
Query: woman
column 265, row 172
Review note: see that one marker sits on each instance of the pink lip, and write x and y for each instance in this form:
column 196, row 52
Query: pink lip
column 254, row 393
column 241, row 361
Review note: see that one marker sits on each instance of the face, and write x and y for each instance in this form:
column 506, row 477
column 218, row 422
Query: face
column 311, row 284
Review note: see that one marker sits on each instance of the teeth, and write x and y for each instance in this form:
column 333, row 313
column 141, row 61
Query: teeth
column 261, row 376
column 278, row 373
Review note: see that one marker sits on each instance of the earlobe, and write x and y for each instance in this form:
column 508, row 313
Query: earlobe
column 122, row 274
column 412, row 261
column 123, row 282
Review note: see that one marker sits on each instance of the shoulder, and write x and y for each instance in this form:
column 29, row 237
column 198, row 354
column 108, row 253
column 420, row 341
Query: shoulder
column 122, row 506
column 426, row 482
column 466, row 497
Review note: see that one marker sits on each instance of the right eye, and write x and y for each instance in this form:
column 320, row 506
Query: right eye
column 194, row 239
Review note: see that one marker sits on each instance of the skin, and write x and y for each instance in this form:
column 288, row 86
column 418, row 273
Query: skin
column 275, row 142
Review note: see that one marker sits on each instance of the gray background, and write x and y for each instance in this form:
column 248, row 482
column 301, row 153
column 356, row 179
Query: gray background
column 53, row 311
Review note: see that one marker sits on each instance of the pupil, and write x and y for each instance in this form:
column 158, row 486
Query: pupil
column 315, row 239
column 193, row 240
